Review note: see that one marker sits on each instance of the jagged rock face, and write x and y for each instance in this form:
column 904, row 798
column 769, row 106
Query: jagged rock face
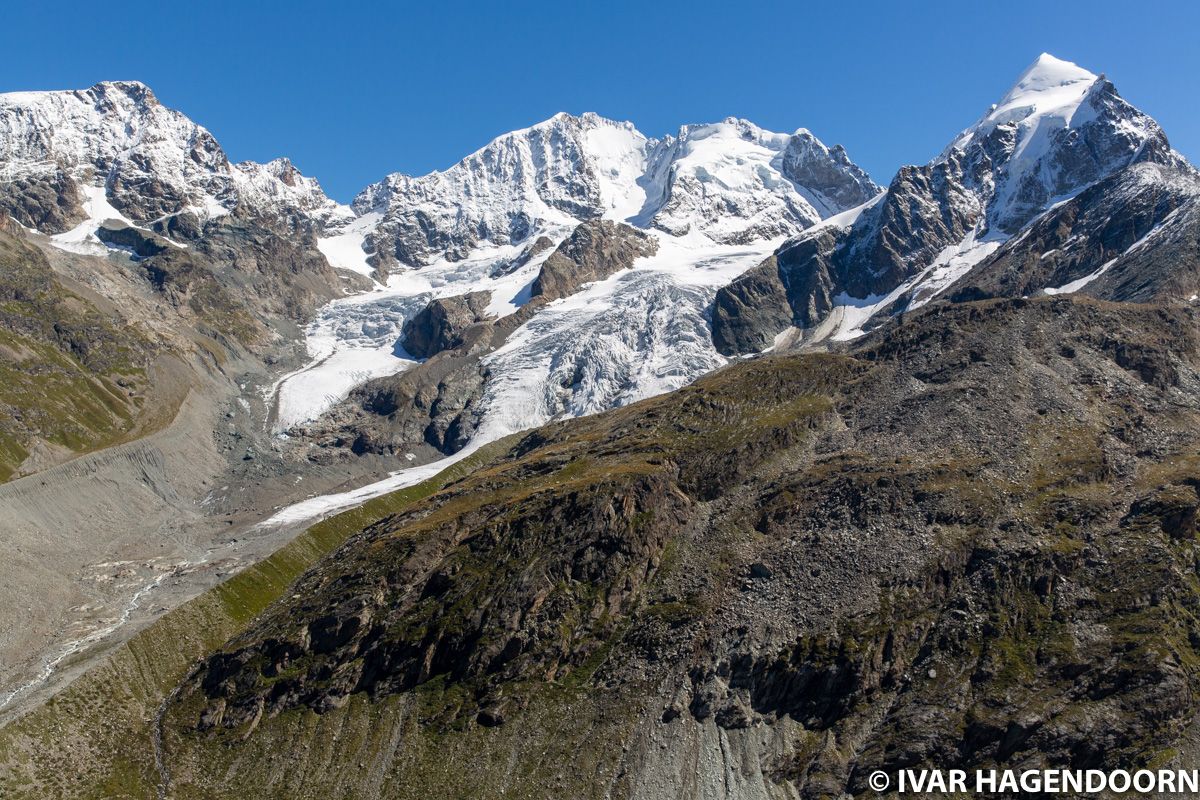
column 1130, row 237
column 1056, row 132
column 826, row 172
column 441, row 324
column 152, row 161
column 48, row 201
column 555, row 173
column 964, row 543
column 593, row 252
column 731, row 181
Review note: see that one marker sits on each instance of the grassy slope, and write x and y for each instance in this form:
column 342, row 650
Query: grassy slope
column 68, row 374
column 94, row 739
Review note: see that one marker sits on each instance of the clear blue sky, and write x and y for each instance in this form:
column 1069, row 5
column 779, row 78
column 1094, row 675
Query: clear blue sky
column 352, row 91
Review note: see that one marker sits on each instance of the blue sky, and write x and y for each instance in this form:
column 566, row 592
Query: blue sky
column 352, row 91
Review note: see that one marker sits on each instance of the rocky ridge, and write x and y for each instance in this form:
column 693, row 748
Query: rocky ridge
column 1059, row 130
column 566, row 170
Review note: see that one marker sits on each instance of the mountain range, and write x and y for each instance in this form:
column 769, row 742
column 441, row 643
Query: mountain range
column 596, row 464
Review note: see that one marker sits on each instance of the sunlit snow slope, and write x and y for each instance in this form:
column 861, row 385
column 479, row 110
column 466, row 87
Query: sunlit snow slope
column 718, row 198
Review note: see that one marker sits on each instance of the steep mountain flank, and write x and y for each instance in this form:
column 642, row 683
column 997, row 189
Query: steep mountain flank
column 1058, row 131
column 961, row 543
column 1130, row 237
column 72, row 378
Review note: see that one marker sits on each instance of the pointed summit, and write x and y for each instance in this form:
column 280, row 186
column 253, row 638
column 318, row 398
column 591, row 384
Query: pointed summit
column 1047, row 73
column 1048, row 91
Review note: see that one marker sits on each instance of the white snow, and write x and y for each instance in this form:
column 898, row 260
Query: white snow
column 355, row 339
column 1046, row 97
column 723, row 179
column 1079, row 283
column 952, row 263
column 118, row 134
column 619, row 154
column 638, row 333
column 82, row 238
column 344, row 249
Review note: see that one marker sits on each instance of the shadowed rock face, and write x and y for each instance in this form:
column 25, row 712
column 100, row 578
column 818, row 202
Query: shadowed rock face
column 431, row 409
column 593, row 251
column 47, row 202
column 963, row 542
column 441, row 324
column 1135, row 232
column 748, row 313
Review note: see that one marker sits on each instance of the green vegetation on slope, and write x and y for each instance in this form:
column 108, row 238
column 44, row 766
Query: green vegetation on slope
column 94, row 739
column 69, row 376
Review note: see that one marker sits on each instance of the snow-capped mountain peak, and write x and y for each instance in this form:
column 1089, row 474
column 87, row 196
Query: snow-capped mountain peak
column 729, row 181
column 734, row 182
column 1048, row 92
column 150, row 161
column 1059, row 130
column 549, row 175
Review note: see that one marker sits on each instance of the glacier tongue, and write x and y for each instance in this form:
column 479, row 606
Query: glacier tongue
column 634, row 335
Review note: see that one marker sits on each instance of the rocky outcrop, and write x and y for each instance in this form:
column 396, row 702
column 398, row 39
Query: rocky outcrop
column 594, row 251
column 430, row 410
column 1130, row 237
column 140, row 242
column 540, row 245
column 748, row 313
column 430, row 406
column 826, row 172
column 48, row 202
column 281, row 275
column 441, row 324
